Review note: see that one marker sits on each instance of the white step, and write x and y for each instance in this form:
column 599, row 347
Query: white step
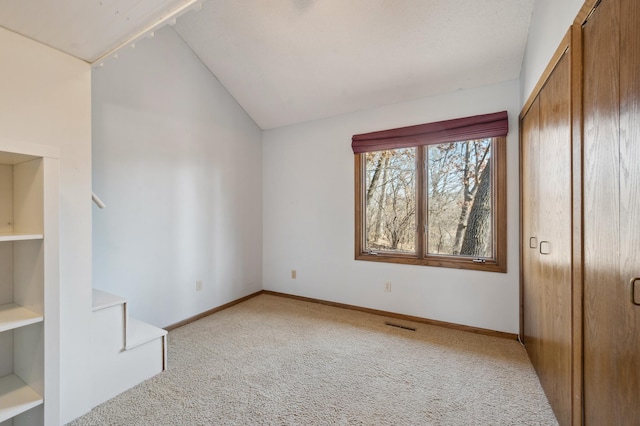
column 139, row 333
column 102, row 300
column 126, row 351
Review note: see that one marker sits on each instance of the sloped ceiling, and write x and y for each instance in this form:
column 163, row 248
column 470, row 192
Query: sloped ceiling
column 290, row 61
column 86, row 29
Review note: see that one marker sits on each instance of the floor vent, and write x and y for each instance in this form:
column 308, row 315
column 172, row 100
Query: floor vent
column 404, row 327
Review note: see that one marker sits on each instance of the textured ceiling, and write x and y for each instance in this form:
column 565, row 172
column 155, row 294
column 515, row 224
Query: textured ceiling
column 290, row 61
column 86, row 29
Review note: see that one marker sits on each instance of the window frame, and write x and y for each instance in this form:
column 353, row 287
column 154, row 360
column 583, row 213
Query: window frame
column 499, row 217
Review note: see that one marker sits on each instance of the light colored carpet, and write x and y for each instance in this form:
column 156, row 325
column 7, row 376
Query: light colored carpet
column 277, row 361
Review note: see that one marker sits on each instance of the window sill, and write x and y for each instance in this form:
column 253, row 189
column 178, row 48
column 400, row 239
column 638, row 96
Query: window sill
column 437, row 261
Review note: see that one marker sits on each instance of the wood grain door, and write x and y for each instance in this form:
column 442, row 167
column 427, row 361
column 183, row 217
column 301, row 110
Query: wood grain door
column 547, row 237
column 554, row 246
column 611, row 107
column 531, row 294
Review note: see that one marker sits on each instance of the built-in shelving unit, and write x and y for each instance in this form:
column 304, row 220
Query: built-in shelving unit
column 29, row 275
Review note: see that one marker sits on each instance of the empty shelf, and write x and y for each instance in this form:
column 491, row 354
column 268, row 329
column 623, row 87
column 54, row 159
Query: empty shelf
column 14, row 316
column 16, row 397
column 20, row 237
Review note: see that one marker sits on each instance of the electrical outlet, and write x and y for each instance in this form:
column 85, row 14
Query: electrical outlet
column 387, row 286
column 294, row 274
column 199, row 285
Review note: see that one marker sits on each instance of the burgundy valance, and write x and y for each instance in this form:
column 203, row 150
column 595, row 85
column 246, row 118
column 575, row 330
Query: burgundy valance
column 460, row 129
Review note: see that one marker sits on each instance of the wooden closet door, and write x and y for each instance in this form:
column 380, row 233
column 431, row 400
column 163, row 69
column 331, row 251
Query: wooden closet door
column 532, row 294
column 628, row 354
column 547, row 237
column 611, row 214
column 554, row 246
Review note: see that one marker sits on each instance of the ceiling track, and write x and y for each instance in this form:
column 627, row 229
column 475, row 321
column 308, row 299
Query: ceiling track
column 149, row 30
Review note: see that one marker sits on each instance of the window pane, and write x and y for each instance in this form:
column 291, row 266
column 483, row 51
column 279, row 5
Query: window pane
column 390, row 200
column 459, row 215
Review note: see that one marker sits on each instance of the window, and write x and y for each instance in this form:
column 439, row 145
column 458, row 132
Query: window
column 429, row 200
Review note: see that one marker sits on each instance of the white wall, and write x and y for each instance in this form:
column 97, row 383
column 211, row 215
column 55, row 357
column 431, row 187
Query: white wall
column 309, row 218
column 179, row 165
column 550, row 21
column 45, row 98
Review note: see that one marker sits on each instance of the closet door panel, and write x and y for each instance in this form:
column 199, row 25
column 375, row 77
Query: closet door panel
column 547, row 237
column 602, row 278
column 532, row 294
column 626, row 352
column 555, row 238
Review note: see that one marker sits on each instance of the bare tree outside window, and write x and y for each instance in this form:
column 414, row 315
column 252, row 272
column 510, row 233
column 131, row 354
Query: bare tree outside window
column 459, row 189
column 391, row 200
column 436, row 204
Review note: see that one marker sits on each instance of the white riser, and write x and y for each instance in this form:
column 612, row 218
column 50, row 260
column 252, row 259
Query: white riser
column 107, row 329
column 125, row 351
column 115, row 374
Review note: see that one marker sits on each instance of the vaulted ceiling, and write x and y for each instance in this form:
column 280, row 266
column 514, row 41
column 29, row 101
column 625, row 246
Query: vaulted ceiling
column 290, row 61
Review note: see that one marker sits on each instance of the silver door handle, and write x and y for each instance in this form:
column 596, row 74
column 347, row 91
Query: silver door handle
column 545, row 247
